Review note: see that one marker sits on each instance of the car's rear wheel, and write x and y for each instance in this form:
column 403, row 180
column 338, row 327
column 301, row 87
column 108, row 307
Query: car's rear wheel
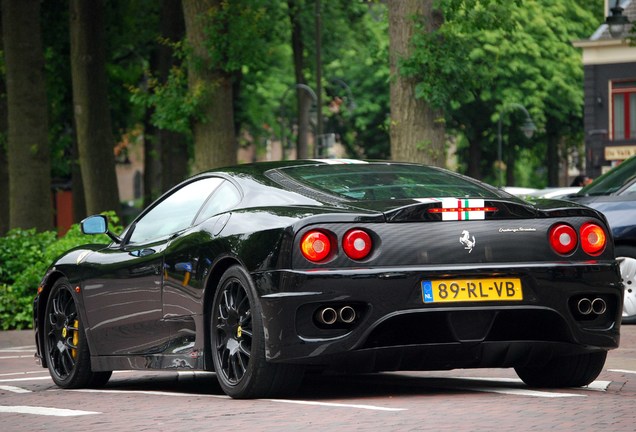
column 238, row 343
column 626, row 256
column 568, row 371
column 66, row 349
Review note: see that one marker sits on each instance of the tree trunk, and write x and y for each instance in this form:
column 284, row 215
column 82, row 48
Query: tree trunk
column 417, row 130
column 92, row 115
column 214, row 140
column 4, row 165
column 79, row 200
column 28, row 147
column 303, row 99
column 173, row 146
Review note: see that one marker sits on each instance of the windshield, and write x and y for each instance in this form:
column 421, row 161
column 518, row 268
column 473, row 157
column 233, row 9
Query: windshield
column 613, row 180
column 388, row 181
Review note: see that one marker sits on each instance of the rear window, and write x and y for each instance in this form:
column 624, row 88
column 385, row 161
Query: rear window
column 372, row 182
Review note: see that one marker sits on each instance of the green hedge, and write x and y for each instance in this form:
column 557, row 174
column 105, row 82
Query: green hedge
column 24, row 257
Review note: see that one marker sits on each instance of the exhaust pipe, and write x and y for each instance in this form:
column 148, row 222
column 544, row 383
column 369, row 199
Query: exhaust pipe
column 598, row 306
column 584, row 306
column 327, row 316
column 347, row 314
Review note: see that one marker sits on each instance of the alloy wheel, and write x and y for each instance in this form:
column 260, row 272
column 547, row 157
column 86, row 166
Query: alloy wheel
column 234, row 332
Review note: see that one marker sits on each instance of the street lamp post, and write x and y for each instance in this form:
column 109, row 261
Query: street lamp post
column 314, row 99
column 528, row 128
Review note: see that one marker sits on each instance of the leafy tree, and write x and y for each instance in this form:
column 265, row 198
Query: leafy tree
column 223, row 38
column 487, row 56
column 417, row 128
column 354, row 54
column 356, row 77
column 28, row 146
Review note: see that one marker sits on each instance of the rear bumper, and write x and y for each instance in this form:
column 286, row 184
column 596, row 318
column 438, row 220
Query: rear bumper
column 395, row 330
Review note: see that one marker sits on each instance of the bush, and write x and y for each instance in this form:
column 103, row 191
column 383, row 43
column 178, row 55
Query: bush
column 24, row 257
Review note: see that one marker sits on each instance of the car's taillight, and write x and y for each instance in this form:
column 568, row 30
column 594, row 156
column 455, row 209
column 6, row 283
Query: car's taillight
column 357, row 244
column 593, row 239
column 315, row 246
column 563, row 238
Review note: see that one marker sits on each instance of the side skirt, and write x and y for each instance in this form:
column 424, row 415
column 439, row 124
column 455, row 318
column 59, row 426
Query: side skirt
column 191, row 361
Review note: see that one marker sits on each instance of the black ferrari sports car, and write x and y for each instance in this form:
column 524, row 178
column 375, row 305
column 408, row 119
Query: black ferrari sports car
column 263, row 272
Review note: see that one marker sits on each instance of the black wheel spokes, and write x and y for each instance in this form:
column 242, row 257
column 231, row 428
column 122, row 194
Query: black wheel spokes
column 61, row 327
column 234, row 331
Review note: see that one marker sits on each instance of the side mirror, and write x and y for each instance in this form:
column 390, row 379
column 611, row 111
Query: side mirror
column 98, row 224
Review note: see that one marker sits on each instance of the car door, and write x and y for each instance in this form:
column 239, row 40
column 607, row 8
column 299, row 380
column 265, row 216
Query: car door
column 189, row 256
column 123, row 299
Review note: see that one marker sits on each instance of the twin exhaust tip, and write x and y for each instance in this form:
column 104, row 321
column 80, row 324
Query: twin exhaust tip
column 329, row 316
column 586, row 306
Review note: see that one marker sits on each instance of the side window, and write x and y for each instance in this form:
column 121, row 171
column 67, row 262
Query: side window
column 224, row 198
column 175, row 212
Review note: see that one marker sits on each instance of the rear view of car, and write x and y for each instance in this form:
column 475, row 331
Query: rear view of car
column 453, row 274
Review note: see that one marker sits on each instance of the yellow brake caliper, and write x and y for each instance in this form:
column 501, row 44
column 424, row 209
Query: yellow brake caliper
column 75, row 338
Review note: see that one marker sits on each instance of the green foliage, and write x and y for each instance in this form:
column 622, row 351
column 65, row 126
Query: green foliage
column 357, row 52
column 236, row 34
column 489, row 54
column 238, row 41
column 24, row 258
column 173, row 106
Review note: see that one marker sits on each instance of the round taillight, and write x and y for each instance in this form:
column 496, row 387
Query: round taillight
column 315, row 246
column 357, row 244
column 563, row 239
column 593, row 238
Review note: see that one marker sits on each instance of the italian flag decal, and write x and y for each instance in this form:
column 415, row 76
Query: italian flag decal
column 454, row 209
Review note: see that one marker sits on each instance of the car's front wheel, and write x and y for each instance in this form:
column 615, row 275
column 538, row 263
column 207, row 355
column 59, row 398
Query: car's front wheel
column 238, row 343
column 66, row 349
column 626, row 257
column 567, row 371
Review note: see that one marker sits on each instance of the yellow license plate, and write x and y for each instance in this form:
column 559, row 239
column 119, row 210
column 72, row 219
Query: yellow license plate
column 470, row 290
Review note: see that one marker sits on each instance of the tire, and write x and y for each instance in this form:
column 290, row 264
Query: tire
column 65, row 346
column 626, row 257
column 238, row 343
column 568, row 371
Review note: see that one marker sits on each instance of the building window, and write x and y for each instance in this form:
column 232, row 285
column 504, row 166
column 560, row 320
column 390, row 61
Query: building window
column 623, row 110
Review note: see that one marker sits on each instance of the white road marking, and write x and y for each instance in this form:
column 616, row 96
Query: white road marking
column 58, row 412
column 594, row 386
column 300, row 402
column 597, row 386
column 148, row 392
column 622, row 371
column 336, row 405
column 41, row 371
column 13, row 389
column 25, row 348
column 5, row 380
column 521, row 392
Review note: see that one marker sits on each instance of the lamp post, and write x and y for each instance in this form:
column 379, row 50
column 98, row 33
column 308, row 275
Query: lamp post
column 314, row 99
column 617, row 22
column 528, row 128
